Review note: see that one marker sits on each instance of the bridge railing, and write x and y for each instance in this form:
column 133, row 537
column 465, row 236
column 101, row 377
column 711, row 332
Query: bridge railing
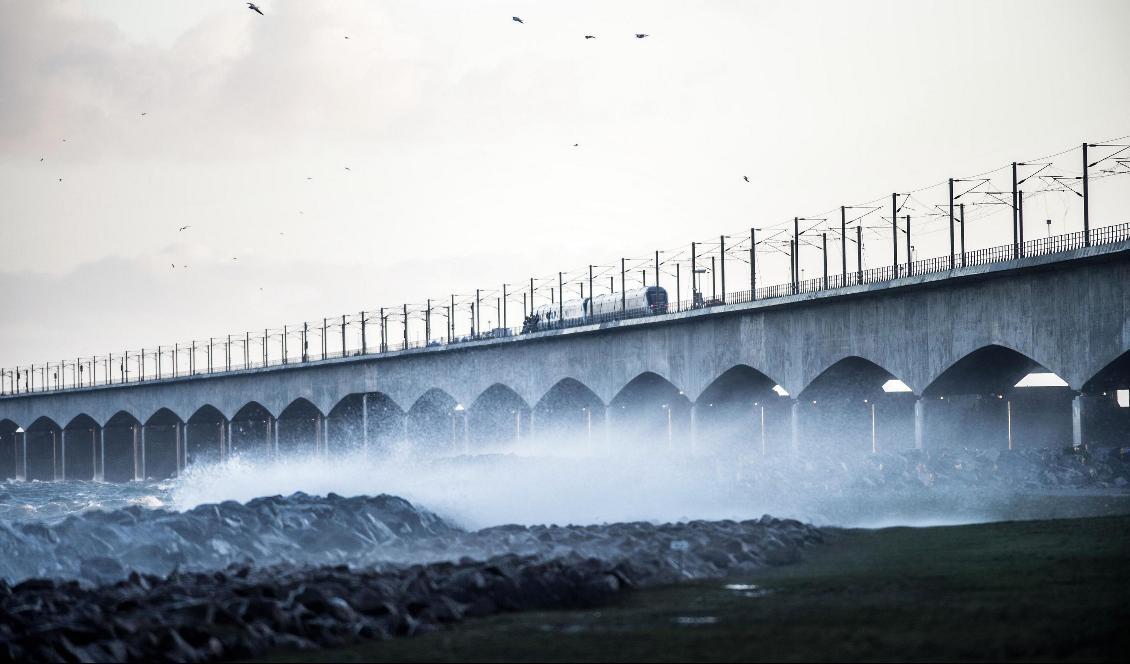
column 84, row 372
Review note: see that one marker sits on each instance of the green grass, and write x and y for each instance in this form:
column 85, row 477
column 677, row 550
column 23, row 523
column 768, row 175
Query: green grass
column 1031, row 590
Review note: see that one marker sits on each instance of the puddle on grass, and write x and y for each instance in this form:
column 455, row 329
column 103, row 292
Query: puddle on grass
column 696, row 620
column 747, row 589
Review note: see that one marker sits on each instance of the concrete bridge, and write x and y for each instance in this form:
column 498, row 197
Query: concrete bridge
column 803, row 371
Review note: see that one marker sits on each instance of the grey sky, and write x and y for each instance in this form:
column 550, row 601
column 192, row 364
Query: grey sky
column 458, row 127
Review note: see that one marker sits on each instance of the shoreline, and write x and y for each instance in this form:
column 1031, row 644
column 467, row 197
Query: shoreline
column 1055, row 589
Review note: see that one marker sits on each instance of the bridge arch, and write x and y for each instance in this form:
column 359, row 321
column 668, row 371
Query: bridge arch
column 742, row 409
column 204, row 435
column 300, row 429
column 647, row 410
column 251, row 433
column 349, row 417
column 121, row 447
column 979, row 401
column 434, row 422
column 162, row 444
column 568, row 414
column 11, row 461
column 856, row 405
column 499, row 416
column 80, row 448
column 1105, row 416
column 42, row 441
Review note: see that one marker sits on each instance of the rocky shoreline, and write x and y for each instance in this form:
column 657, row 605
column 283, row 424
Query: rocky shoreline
column 245, row 610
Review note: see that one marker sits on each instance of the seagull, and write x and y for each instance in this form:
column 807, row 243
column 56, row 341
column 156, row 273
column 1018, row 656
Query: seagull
column 347, row 168
column 144, row 113
column 309, row 178
column 590, row 36
column 41, row 158
column 576, row 145
column 746, row 178
column 234, row 258
column 252, row 7
column 640, row 35
column 183, row 228
column 60, row 179
column 347, row 37
column 515, row 18
column 173, row 264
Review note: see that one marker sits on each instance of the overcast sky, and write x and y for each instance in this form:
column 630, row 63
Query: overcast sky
column 334, row 156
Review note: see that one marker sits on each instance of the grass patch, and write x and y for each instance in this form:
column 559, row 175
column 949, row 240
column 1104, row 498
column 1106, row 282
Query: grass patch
column 1028, row 590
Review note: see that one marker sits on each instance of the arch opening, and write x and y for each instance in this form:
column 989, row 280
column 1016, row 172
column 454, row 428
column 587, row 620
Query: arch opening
column 300, row 430
column 121, row 447
column 987, row 400
column 251, row 433
column 741, row 411
column 436, row 422
column 80, row 449
column 203, row 436
column 1105, row 401
column 162, row 449
column 350, row 417
column 569, row 414
column 498, row 418
column 647, row 412
column 11, row 462
column 856, row 405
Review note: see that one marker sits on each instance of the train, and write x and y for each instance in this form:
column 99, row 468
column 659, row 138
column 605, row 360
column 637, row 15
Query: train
column 649, row 299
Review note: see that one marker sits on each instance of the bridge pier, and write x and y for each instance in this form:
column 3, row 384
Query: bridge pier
column 794, row 424
column 466, row 433
column 100, row 467
column 62, row 465
column 177, row 434
column 139, row 456
column 1077, row 403
column 919, row 423
column 694, row 426
column 365, row 424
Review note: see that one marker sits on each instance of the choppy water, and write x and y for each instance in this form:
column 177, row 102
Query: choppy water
column 210, row 517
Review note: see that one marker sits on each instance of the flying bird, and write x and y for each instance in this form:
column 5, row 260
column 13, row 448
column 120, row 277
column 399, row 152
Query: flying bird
column 60, row 179
column 746, row 178
column 183, row 228
column 590, row 36
column 252, row 7
column 173, row 264
column 515, row 18
column 144, row 113
column 41, row 158
column 640, row 35
column 347, row 168
column 576, row 145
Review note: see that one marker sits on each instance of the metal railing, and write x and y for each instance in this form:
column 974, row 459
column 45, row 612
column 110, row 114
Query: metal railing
column 182, row 360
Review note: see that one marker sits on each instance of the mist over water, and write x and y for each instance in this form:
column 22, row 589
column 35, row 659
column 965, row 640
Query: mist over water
column 350, row 508
column 543, row 481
